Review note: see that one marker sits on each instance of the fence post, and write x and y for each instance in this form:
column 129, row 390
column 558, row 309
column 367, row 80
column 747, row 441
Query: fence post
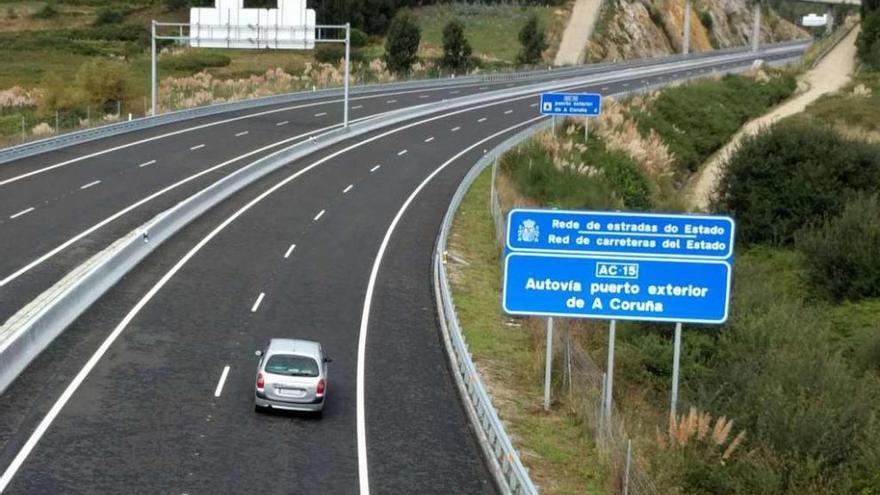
column 56, row 122
column 23, row 131
column 629, row 443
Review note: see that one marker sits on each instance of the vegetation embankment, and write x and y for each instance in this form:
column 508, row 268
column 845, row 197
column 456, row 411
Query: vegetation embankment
column 780, row 399
column 48, row 50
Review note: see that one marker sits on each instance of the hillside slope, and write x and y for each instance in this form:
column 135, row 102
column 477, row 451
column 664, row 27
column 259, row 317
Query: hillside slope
column 645, row 28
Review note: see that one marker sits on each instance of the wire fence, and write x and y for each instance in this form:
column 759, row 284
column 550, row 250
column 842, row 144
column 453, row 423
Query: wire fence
column 584, row 385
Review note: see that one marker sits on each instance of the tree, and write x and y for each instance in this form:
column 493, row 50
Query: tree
column 533, row 43
column 402, row 42
column 869, row 40
column 869, row 6
column 456, row 49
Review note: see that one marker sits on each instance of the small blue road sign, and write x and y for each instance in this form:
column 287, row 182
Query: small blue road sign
column 647, row 289
column 620, row 234
column 575, row 104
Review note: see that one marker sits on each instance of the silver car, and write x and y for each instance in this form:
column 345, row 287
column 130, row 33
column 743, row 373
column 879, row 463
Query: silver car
column 292, row 375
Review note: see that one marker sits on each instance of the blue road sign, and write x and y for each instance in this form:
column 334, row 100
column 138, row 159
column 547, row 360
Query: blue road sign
column 575, row 104
column 620, row 234
column 647, row 289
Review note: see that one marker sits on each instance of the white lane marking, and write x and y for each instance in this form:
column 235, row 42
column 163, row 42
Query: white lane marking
column 205, row 126
column 454, row 92
column 375, row 168
column 533, row 105
column 391, row 101
column 242, row 133
column 223, row 375
column 284, row 122
column 319, row 215
column 483, row 87
column 424, row 96
column 347, row 188
column 198, row 146
column 429, row 139
column 604, row 88
column 356, row 107
column 146, row 164
column 22, row 212
column 454, row 129
column 49, row 418
column 289, row 250
column 509, row 84
column 482, row 119
column 625, row 84
column 90, row 184
column 368, row 301
column 401, row 152
column 508, row 112
column 320, row 114
column 127, row 209
column 256, row 305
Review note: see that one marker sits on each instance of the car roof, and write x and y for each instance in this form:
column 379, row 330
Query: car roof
column 294, row 346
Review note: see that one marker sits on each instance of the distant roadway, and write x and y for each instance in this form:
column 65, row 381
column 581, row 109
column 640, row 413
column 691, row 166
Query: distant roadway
column 334, row 247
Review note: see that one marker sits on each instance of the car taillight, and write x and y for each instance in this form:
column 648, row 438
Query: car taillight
column 320, row 390
column 261, row 383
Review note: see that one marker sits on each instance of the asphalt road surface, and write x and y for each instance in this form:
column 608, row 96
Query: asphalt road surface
column 335, row 247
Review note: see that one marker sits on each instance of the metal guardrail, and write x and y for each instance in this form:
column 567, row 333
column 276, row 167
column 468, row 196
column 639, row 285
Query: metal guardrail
column 94, row 133
column 503, row 458
column 504, row 461
column 30, row 330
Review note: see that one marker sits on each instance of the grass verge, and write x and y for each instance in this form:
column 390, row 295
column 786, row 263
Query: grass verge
column 555, row 447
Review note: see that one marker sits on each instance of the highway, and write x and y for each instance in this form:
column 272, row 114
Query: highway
column 151, row 389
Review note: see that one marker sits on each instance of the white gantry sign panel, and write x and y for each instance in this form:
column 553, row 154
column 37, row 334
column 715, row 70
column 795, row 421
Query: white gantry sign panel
column 813, row 20
column 229, row 25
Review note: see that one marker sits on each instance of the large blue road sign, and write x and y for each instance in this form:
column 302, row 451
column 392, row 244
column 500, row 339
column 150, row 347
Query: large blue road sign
column 574, row 104
column 648, row 289
column 620, row 234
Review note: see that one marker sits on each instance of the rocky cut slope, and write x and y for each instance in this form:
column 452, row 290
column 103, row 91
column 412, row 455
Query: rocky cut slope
column 645, row 28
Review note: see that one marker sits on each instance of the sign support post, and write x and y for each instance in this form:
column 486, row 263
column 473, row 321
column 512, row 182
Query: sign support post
column 676, row 358
column 548, row 361
column 153, row 88
column 347, row 56
column 609, row 375
column 586, row 129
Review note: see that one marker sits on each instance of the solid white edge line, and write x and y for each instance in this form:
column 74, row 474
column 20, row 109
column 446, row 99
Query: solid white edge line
column 223, row 375
column 90, row 184
column 242, row 133
column 22, row 212
column 198, row 146
column 47, row 420
column 368, row 300
column 289, row 250
column 146, row 164
column 80, row 377
column 347, row 188
column 401, row 152
column 429, row 139
column 319, row 215
column 256, row 305
column 375, row 168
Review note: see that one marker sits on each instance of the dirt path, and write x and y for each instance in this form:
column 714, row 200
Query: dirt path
column 828, row 76
column 578, row 31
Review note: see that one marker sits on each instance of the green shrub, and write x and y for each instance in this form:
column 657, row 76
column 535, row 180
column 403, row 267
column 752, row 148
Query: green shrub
column 706, row 20
column 402, row 42
column 696, row 119
column 359, row 39
column 533, row 42
column 10, row 13
column 103, row 82
column 47, row 12
column 869, row 40
column 791, row 175
column 842, row 255
column 108, row 15
column 194, row 61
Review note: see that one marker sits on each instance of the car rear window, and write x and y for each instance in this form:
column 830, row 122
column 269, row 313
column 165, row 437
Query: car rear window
column 283, row 364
